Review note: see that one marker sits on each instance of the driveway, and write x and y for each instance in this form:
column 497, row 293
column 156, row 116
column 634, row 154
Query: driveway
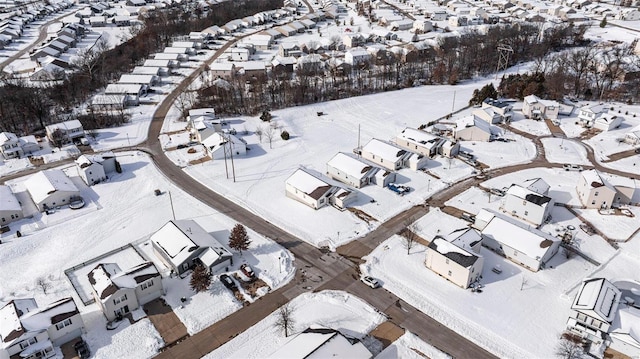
column 166, row 322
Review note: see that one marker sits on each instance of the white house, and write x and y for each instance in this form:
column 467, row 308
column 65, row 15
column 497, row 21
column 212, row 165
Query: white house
column 321, row 342
column 607, row 122
column 181, row 244
column 10, row 209
column 343, row 197
column 456, row 258
column 10, row 145
column 594, row 191
column 513, row 239
column 385, row 154
column 65, row 132
column 352, row 171
column 357, row 56
column 132, row 92
column 472, row 128
column 27, row 331
column 94, row 168
column 221, row 145
column 593, row 309
column 146, row 80
column 487, row 114
column 588, row 114
column 538, row 109
column 624, row 332
column 527, row 205
column 51, row 188
column 308, row 189
column 633, row 136
column 119, row 292
column 426, row 144
column 422, row 25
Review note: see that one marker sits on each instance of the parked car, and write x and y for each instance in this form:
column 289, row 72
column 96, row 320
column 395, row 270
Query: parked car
column 572, row 167
column 82, row 349
column 228, row 282
column 370, row 281
column 497, row 192
column 247, row 270
column 637, row 150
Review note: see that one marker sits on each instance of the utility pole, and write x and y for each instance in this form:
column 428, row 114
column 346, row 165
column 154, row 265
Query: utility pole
column 224, row 151
column 233, row 168
column 173, row 212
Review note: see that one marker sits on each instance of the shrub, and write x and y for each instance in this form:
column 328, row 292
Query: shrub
column 284, row 135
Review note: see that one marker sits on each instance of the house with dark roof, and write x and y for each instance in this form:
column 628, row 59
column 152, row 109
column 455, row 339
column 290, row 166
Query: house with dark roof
column 182, row 244
column 501, row 107
column 594, row 309
column 527, row 205
column 308, row 189
column 456, row 258
column 321, row 342
column 27, row 331
column 119, row 292
column 94, row 168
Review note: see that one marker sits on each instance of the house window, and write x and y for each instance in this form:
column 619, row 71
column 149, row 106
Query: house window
column 595, row 194
column 449, row 273
column 120, row 299
column 146, row 284
column 582, row 317
column 64, row 323
column 27, row 342
column 446, row 261
column 593, row 202
column 526, row 213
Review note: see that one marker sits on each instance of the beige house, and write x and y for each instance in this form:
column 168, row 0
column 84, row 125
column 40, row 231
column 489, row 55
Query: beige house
column 593, row 309
column 487, row 114
column 594, row 191
column 352, row 171
column 119, row 292
column 426, row 144
column 633, row 136
column 308, row 189
column 458, row 258
column 472, row 128
column 10, row 208
column 67, row 130
column 538, row 109
column 527, row 204
column 27, row 331
column 385, row 154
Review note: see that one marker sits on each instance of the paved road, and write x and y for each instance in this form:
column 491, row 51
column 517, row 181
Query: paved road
column 42, row 36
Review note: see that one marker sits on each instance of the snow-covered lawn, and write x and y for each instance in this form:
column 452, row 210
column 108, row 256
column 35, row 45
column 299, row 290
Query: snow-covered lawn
column 617, row 227
column 558, row 150
column 410, row 346
column 537, row 128
column 506, row 317
column 502, row 154
column 331, row 309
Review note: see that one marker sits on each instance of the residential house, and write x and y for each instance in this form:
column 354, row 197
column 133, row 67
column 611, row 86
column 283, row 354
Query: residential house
column 165, row 65
column 131, row 92
column 343, row 197
column 108, row 103
column 182, row 52
column 518, row 242
column 119, row 292
column 594, row 309
column 487, row 114
column 10, row 208
column 385, row 154
column 65, row 132
column 94, row 168
column 426, row 144
column 176, row 57
column 286, row 49
column 422, row 26
column 50, row 189
column 501, row 107
column 633, row 136
column 401, row 25
column 181, row 244
column 607, row 122
column 286, row 30
column 321, row 342
column 251, row 68
column 283, row 65
column 308, row 189
column 439, row 15
column 10, row 145
column 357, row 56
column 27, row 331
column 202, row 118
column 225, row 70
column 354, row 172
column 594, row 191
column 624, row 332
column 221, row 145
column 538, row 109
column 238, row 54
column 353, row 40
column 148, row 70
column 472, row 128
column 310, row 64
column 457, row 258
column 527, row 204
column 588, row 114
column 136, row 79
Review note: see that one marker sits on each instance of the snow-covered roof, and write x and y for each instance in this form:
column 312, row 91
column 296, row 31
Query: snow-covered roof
column 528, row 195
column 594, row 180
column 308, row 183
column 87, row 160
column 353, row 167
column 521, row 237
column 466, row 238
column 136, row 79
column 595, row 108
column 55, row 312
column 318, row 343
column 209, row 112
column 64, row 126
column 7, row 137
column 119, row 88
column 8, row 200
column 10, row 325
column 598, row 298
column 107, row 278
column 385, row 150
column 609, row 119
column 179, row 238
column 457, row 254
column 418, row 137
column 473, row 121
column 537, row 185
column 44, row 183
column 626, row 326
column 222, row 66
column 211, row 255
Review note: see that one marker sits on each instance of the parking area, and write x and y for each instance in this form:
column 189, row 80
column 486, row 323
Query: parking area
column 166, row 322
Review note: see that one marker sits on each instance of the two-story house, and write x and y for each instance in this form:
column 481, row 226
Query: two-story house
column 594, row 309
column 539, row 109
column 65, row 132
column 527, row 204
column 456, row 258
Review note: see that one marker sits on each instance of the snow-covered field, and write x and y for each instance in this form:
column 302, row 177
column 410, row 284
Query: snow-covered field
column 331, row 309
column 410, row 346
column 558, row 150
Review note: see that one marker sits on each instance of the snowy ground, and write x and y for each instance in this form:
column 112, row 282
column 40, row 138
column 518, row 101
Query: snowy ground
column 558, row 150
column 504, row 318
column 332, row 309
column 410, row 346
column 129, row 211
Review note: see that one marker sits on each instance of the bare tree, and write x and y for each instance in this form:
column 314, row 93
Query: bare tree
column 270, row 134
column 259, row 132
column 284, row 318
column 185, row 101
column 570, row 347
column 410, row 235
column 42, row 283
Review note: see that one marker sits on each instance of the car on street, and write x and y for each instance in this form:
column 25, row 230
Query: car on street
column 370, row 281
column 572, row 167
column 228, row 282
column 247, row 270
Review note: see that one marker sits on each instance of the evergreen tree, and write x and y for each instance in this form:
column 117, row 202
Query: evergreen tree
column 488, row 91
column 200, row 279
column 603, row 23
column 238, row 239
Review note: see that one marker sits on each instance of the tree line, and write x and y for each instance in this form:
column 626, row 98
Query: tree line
column 26, row 108
column 454, row 58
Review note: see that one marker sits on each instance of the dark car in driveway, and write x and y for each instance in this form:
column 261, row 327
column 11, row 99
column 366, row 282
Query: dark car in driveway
column 82, row 349
column 228, row 282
